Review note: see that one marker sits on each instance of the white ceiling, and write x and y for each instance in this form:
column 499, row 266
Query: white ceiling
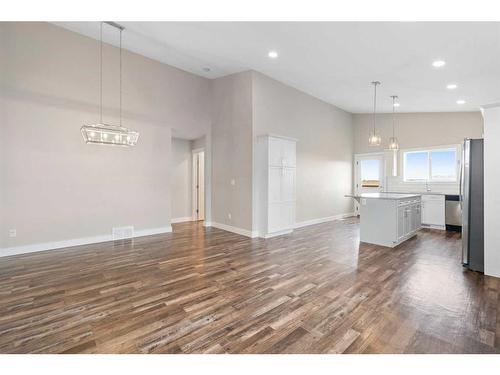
column 336, row 61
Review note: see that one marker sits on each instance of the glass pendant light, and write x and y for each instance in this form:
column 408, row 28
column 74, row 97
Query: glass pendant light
column 374, row 139
column 393, row 141
column 107, row 134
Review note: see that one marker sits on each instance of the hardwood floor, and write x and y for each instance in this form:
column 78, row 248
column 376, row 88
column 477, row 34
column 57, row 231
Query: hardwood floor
column 209, row 291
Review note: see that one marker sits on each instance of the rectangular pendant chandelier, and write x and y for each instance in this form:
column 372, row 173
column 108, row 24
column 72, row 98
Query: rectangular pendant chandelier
column 105, row 134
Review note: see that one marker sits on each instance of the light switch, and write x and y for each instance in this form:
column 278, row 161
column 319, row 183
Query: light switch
column 12, row 233
column 363, row 202
column 233, row 181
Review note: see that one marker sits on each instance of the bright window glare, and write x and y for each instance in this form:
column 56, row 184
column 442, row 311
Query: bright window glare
column 416, row 166
column 370, row 172
column 430, row 165
column 443, row 164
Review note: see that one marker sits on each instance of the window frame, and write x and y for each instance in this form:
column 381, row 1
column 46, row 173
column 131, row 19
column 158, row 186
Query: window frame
column 429, row 150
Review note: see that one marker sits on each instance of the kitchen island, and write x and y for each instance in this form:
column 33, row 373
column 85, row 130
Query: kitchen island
column 388, row 219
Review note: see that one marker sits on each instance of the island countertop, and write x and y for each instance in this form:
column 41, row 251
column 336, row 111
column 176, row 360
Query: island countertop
column 389, row 196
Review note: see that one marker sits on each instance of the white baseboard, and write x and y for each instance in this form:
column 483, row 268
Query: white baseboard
column 276, row 234
column 306, row 223
column 16, row 250
column 181, row 219
column 432, row 226
column 229, row 228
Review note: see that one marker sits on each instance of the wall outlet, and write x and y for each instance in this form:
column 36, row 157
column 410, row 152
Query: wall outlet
column 229, row 216
column 12, row 233
column 233, row 181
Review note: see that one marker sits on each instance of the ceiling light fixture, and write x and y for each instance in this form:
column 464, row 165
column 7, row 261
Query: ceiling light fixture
column 393, row 141
column 460, row 101
column 451, row 86
column 272, row 54
column 374, row 138
column 107, row 134
column 438, row 63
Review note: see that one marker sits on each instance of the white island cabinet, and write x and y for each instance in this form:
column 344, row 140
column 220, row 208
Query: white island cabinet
column 388, row 219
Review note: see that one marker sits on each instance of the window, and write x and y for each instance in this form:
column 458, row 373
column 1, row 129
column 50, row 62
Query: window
column 370, row 172
column 430, row 165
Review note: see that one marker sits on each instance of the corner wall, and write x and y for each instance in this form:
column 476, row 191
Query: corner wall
column 232, row 151
column 491, row 191
column 182, row 177
column 324, row 147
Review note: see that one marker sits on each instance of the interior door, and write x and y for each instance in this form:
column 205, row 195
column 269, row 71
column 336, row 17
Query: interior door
column 369, row 174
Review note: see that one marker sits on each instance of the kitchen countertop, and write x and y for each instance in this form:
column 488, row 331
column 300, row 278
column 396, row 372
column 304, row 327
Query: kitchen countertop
column 420, row 192
column 390, row 196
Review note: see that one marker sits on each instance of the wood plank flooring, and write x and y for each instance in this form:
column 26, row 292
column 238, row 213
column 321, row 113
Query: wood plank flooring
column 203, row 290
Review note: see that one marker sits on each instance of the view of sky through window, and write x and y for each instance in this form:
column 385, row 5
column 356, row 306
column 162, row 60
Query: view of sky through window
column 443, row 164
column 370, row 172
column 432, row 165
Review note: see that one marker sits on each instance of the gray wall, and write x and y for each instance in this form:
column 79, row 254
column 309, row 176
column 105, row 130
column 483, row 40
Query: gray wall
column 55, row 187
column 324, row 147
column 182, row 176
column 232, row 150
column 491, row 189
column 418, row 129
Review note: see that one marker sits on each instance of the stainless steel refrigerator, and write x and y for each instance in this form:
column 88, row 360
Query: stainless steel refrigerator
column 472, row 204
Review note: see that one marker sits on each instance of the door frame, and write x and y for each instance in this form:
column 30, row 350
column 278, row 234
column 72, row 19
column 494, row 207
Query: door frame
column 195, row 195
column 357, row 158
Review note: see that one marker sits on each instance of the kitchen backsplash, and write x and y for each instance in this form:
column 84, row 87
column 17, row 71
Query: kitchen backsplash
column 395, row 184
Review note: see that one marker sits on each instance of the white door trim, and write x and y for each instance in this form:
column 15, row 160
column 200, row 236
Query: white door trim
column 194, row 190
column 357, row 158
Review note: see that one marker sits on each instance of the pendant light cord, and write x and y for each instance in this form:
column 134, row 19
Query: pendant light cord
column 393, row 110
column 374, row 108
column 121, row 77
column 375, row 84
column 100, row 75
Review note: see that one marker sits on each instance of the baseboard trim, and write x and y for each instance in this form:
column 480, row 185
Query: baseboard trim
column 323, row 220
column 432, row 226
column 229, row 228
column 45, row 246
column 181, row 219
column 276, row 234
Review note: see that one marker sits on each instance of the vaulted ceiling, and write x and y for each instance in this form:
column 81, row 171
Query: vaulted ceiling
column 335, row 61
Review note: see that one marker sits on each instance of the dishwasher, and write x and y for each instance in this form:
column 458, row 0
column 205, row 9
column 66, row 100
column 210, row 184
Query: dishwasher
column 453, row 213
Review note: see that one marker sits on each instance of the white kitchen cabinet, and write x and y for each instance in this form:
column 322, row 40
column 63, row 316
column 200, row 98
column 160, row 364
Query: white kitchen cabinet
column 276, row 185
column 409, row 218
column 387, row 219
column 433, row 211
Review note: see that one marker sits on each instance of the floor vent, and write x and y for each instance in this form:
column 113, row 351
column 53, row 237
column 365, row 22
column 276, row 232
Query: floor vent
column 121, row 233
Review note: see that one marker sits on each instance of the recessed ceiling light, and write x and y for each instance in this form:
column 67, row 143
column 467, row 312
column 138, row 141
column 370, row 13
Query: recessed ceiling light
column 396, row 104
column 438, row 63
column 451, row 86
column 272, row 54
column 460, row 101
